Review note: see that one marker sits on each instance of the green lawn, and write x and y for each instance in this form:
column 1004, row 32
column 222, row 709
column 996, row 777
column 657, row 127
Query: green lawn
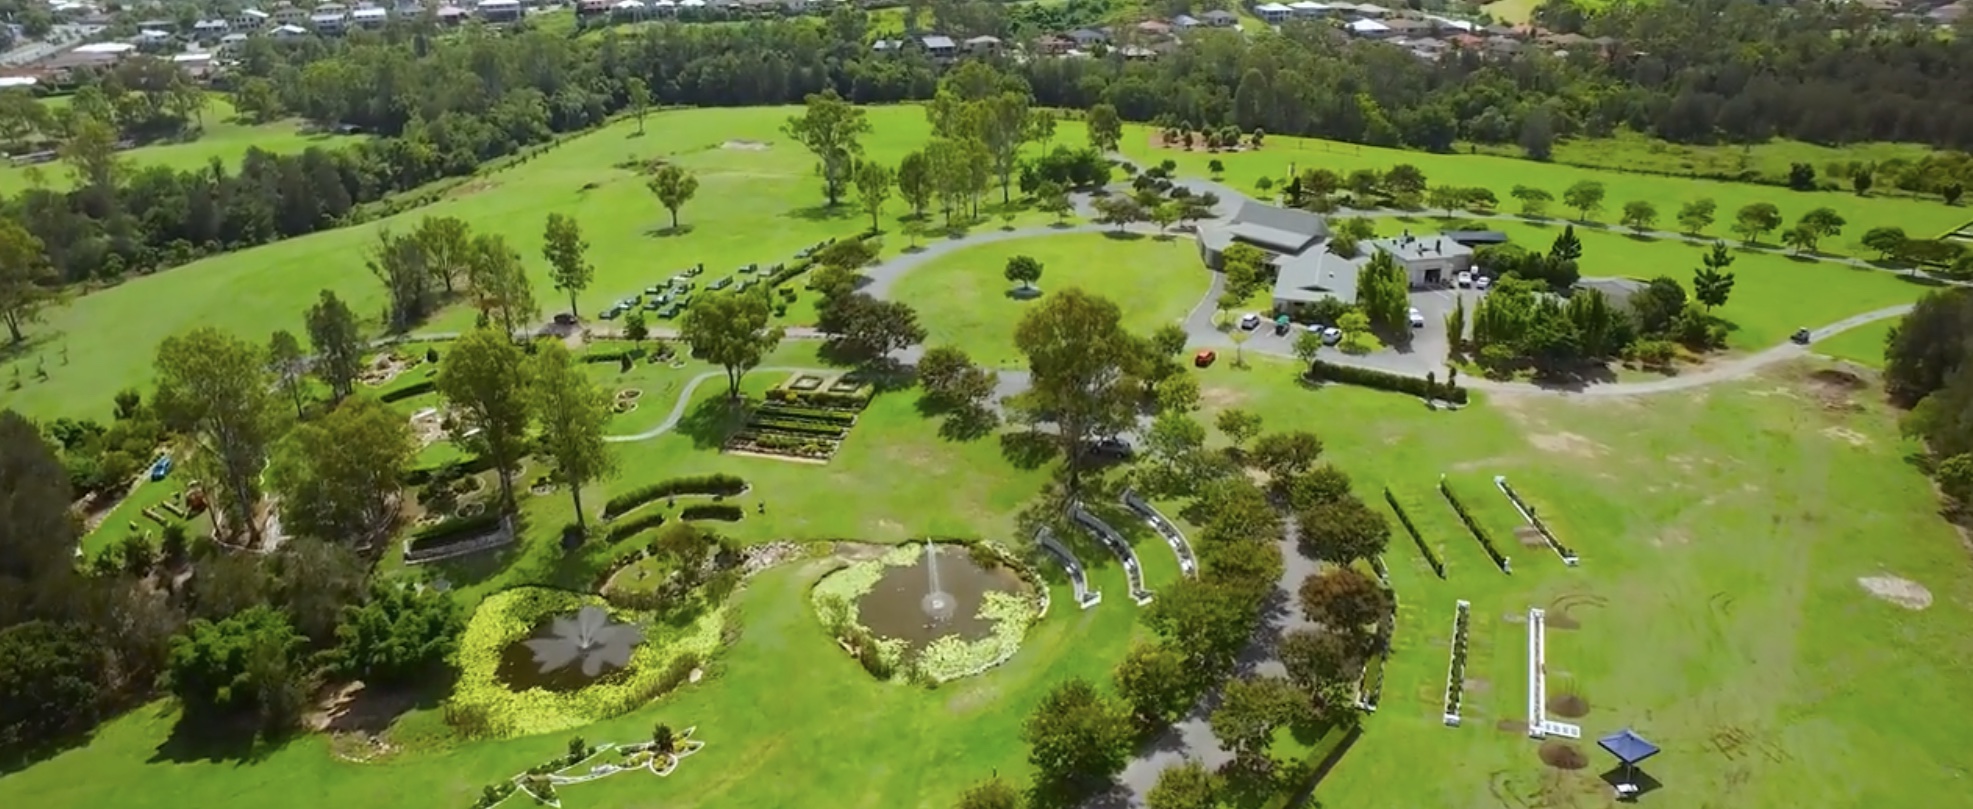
column 1863, row 345
column 963, row 299
column 223, row 137
column 1631, row 151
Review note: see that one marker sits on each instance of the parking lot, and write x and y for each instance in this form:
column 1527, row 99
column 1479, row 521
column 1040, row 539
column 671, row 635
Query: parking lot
column 1425, row 353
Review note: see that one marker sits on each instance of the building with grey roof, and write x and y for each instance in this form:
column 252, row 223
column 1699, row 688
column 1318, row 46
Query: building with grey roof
column 1307, row 271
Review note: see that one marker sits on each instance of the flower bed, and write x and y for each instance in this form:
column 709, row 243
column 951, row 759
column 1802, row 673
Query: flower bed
column 1455, row 683
column 481, row 706
column 779, row 444
column 1479, row 531
column 715, row 485
column 786, row 427
column 1431, row 556
column 451, row 531
column 1527, row 511
column 796, row 413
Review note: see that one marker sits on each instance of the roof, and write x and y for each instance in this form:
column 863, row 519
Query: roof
column 1417, row 248
column 1185, row 21
column 254, row 12
column 210, row 24
column 1317, row 274
column 366, row 13
column 105, row 47
column 1627, row 746
column 983, row 40
column 500, row 3
column 937, row 41
column 290, row 29
column 1368, row 27
column 1308, row 5
column 1275, row 8
column 1219, row 14
column 18, row 81
column 191, row 57
column 1475, row 237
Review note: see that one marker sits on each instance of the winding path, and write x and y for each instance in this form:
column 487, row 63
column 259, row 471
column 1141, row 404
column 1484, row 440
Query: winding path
column 685, row 400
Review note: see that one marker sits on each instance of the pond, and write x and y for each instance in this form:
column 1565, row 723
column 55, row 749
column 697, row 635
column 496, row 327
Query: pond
column 936, row 596
column 569, row 652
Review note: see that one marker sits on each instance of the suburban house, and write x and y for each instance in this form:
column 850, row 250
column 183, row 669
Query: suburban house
column 210, row 29
column 251, row 19
column 450, row 15
column 1369, row 29
column 983, row 46
column 1273, row 13
column 1305, row 271
column 664, row 8
column 288, row 15
column 499, row 10
column 1087, row 38
column 939, row 47
column 627, row 9
column 369, row 17
column 1053, row 44
column 1309, row 9
column 232, row 42
column 1186, row 22
column 1221, row 18
column 285, row 31
column 592, row 8
column 152, row 37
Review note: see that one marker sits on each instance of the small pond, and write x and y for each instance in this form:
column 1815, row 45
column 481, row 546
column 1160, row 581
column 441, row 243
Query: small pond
column 938, row 595
column 522, row 665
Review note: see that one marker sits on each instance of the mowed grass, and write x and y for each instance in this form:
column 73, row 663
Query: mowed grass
column 963, row 298
column 1863, row 345
column 1631, row 151
column 224, row 138
column 1500, row 174
column 1718, row 599
column 758, row 202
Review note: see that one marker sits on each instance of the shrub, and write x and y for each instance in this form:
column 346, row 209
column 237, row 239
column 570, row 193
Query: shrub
column 1431, row 556
column 794, row 413
column 1479, row 531
column 798, row 427
column 620, row 530
column 453, row 530
column 716, row 484
column 712, row 511
column 418, row 388
column 821, row 398
column 1382, row 380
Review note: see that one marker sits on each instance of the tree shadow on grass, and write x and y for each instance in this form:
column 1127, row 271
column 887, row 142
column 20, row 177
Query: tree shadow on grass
column 668, row 231
column 11, row 351
column 1642, row 238
column 1123, row 235
column 711, row 421
column 207, row 739
column 1028, row 449
column 823, row 213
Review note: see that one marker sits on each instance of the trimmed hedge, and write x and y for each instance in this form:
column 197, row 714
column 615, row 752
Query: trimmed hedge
column 1553, row 540
column 712, row 511
column 1479, row 531
column 799, row 428
column 452, row 531
column 619, row 530
column 795, row 413
column 1382, row 380
column 419, row 388
column 820, row 398
column 1431, row 556
column 720, row 485
column 613, row 356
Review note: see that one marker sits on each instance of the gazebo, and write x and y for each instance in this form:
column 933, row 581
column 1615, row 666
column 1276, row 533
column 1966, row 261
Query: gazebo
column 1631, row 749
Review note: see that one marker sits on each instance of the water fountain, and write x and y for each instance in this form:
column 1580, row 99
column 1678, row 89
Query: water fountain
column 574, row 651
column 938, row 604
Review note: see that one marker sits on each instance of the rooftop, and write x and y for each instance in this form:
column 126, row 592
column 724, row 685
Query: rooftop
column 1408, row 248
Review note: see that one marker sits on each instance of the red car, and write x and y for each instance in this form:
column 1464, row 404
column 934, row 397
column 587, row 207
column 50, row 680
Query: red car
column 1204, row 358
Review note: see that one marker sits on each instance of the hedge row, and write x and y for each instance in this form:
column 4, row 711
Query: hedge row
column 1479, row 531
column 1431, row 556
column 619, row 530
column 613, row 356
column 1383, row 380
column 799, row 427
column 1553, row 540
column 452, row 531
column 721, row 485
column 820, row 398
column 419, row 388
column 712, row 511
column 797, row 413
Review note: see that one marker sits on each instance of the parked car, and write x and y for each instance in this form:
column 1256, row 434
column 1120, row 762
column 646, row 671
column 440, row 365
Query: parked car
column 1315, row 328
column 564, row 319
column 1481, row 283
column 1801, row 337
column 1204, row 358
column 1250, row 321
column 1112, row 447
column 1332, row 336
column 611, row 313
column 1417, row 318
column 1464, row 279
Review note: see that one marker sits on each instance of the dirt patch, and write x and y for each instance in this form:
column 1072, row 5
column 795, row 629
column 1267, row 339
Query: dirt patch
column 464, row 190
column 1836, row 388
column 1217, row 398
column 1477, row 686
column 1900, row 591
column 385, row 368
column 1529, row 537
column 1480, row 465
column 1838, row 379
column 1514, row 726
column 1567, row 444
column 745, row 145
column 1561, row 611
column 1672, row 537
column 428, row 425
column 1568, row 706
column 1847, row 435
column 1563, row 756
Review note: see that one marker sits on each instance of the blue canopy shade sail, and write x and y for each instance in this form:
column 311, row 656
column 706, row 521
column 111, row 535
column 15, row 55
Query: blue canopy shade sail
column 1628, row 747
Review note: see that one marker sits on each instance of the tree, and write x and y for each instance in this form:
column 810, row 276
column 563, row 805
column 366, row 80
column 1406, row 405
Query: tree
column 486, row 379
column 252, row 660
column 1052, row 199
column 1286, row 455
column 731, row 331
column 1824, row 221
column 1860, row 181
column 338, row 344
column 1446, row 198
column 258, row 100
column 1586, row 196
column 52, row 682
column 1315, row 657
column 1041, row 126
column 865, row 329
column 1345, row 600
column 500, row 283
column 1567, row 245
column 1383, row 292
column 1534, row 201
column 1711, row 284
column 673, row 186
column 1639, row 215
column 1658, row 304
column 1166, row 215
column 339, row 476
column 873, row 188
column 1078, row 354
column 1157, row 683
column 1803, row 237
column 1756, row 219
column 1538, row 134
column 1950, row 192
column 1076, row 738
column 568, row 265
column 1239, row 426
column 1455, row 325
column 1801, row 177
column 1118, row 210
column 914, row 182
column 1250, row 710
column 1343, row 532
column 397, row 636
column 215, row 388
column 572, row 411
column 287, row 364
column 990, row 794
column 445, row 246
column 635, row 328
column 637, row 95
column 1105, row 128
column 1887, row 241
column 23, row 274
column 831, row 128
column 1697, row 215
column 1187, row 786
column 1023, row 270
column 400, row 263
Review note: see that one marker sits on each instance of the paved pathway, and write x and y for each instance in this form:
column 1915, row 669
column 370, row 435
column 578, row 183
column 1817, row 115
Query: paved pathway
column 685, row 400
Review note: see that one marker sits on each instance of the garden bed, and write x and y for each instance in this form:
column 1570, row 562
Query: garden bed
column 1528, row 513
column 481, row 706
column 1455, row 679
column 705, row 485
column 456, row 537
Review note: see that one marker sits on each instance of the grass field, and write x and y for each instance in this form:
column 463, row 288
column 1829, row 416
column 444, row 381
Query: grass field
column 1863, row 345
column 964, row 300
column 1718, row 608
column 223, row 138
column 1634, row 152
